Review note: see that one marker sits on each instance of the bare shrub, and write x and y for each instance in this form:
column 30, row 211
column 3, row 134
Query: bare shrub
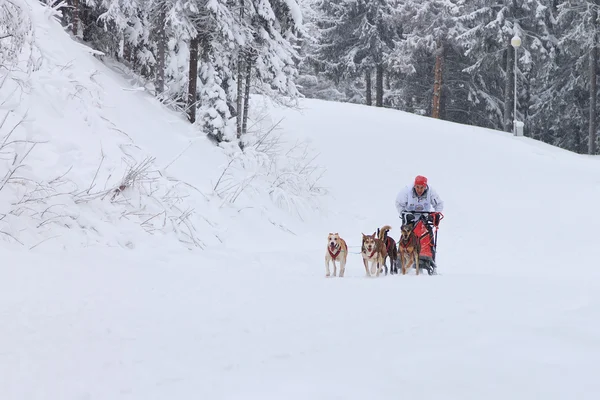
column 288, row 172
column 36, row 210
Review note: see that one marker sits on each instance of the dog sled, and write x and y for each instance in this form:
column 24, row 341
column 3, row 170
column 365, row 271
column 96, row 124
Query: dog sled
column 425, row 228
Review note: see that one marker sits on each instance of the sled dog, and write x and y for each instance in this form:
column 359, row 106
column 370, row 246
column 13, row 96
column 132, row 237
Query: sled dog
column 409, row 247
column 391, row 251
column 373, row 251
column 337, row 250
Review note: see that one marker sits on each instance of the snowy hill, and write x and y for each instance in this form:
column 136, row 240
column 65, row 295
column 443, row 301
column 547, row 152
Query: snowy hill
column 126, row 314
column 76, row 132
column 507, row 199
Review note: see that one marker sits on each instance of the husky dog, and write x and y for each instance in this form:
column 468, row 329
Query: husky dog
column 374, row 252
column 390, row 248
column 409, row 247
column 337, row 250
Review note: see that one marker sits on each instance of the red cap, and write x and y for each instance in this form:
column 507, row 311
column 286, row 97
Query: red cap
column 420, row 180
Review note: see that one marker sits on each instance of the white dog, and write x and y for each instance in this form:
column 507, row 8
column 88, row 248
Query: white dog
column 337, row 250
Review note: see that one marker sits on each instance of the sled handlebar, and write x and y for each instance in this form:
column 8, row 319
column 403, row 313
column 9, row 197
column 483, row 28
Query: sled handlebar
column 437, row 215
column 423, row 213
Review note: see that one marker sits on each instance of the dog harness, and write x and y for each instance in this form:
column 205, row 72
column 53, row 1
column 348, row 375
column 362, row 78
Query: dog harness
column 404, row 245
column 334, row 256
column 373, row 252
column 389, row 244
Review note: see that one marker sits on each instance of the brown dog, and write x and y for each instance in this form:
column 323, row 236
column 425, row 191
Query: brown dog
column 337, row 250
column 374, row 252
column 391, row 251
column 409, row 247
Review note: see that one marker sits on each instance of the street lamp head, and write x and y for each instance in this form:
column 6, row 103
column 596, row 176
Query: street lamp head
column 515, row 41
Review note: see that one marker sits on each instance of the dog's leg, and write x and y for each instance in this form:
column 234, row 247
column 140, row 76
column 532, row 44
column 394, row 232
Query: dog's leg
column 385, row 264
column 374, row 267
column 401, row 259
column 342, row 267
column 366, row 267
column 334, row 268
column 327, row 272
column 417, row 261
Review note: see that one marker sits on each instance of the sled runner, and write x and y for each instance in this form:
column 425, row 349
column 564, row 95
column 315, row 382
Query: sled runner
column 425, row 224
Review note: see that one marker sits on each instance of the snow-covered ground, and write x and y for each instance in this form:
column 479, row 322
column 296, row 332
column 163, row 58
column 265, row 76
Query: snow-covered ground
column 104, row 310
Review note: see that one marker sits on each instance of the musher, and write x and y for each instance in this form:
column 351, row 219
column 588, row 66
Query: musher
column 416, row 202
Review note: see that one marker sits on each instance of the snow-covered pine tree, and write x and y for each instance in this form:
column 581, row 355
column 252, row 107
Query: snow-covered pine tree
column 218, row 34
column 162, row 38
column 571, row 109
column 231, row 39
column 432, row 25
column 128, row 21
column 277, row 27
column 356, row 38
column 310, row 82
column 491, row 24
column 264, row 55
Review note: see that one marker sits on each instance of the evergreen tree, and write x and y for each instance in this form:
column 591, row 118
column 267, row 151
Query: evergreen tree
column 571, row 108
column 432, row 25
column 491, row 25
column 357, row 37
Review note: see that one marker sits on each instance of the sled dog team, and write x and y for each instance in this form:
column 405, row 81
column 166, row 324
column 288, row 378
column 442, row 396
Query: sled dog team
column 375, row 251
column 378, row 247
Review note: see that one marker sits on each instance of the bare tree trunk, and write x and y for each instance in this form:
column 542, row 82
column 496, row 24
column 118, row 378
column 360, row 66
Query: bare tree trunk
column 508, row 88
column 86, row 20
column 126, row 50
column 193, row 80
column 438, row 74
column 75, row 26
column 240, row 83
column 388, row 85
column 240, row 95
column 593, row 80
column 379, row 85
column 369, row 87
column 249, row 62
column 161, row 45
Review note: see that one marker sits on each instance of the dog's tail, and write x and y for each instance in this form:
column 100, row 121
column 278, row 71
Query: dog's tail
column 383, row 231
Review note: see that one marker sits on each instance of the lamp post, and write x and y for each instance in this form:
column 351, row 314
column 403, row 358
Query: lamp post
column 516, row 43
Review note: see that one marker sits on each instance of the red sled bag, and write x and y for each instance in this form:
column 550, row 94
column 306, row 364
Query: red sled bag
column 424, row 230
column 425, row 223
column 425, row 237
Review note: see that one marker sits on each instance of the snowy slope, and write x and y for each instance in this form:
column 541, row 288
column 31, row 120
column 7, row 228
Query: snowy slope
column 514, row 313
column 80, row 127
column 508, row 200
